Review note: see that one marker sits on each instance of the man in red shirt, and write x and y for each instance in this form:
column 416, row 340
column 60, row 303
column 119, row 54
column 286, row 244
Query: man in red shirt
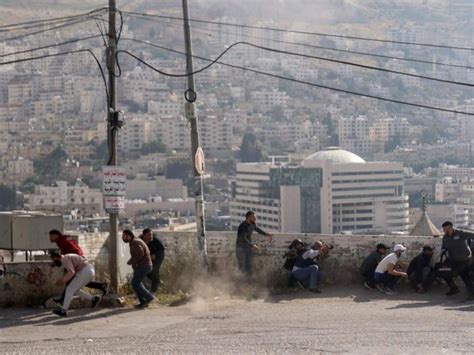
column 67, row 245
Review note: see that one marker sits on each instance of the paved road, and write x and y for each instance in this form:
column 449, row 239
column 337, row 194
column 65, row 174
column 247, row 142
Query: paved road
column 364, row 323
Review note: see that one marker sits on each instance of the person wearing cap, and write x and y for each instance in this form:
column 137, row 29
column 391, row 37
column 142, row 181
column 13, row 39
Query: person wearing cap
column 386, row 275
column 456, row 243
column 420, row 271
column 368, row 266
column 78, row 274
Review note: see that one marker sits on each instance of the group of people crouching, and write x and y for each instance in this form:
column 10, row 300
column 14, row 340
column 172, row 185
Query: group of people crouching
column 147, row 253
column 381, row 271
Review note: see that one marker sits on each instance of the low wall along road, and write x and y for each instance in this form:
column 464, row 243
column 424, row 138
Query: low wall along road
column 28, row 283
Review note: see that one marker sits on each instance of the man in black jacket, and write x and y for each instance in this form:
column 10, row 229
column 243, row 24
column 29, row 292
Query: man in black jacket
column 368, row 266
column 420, row 271
column 457, row 244
column 245, row 248
column 157, row 254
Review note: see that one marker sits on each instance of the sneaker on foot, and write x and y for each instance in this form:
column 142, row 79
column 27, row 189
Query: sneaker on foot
column 368, row 286
column 95, row 301
column 141, row 305
column 390, row 291
column 452, row 291
column 60, row 312
column 381, row 288
column 105, row 290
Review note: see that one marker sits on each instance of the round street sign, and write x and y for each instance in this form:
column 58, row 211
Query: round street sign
column 199, row 161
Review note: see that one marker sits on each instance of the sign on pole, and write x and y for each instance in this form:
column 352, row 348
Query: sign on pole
column 199, row 161
column 114, row 189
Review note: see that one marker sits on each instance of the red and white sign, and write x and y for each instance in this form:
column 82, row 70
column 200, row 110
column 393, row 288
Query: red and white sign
column 199, row 162
column 114, row 204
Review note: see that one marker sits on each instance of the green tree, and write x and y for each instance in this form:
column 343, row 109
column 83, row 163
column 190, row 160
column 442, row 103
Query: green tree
column 250, row 149
column 392, row 143
column 7, row 198
column 154, row 147
column 179, row 169
column 49, row 168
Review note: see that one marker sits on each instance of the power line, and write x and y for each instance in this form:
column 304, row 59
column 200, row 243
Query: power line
column 46, row 21
column 328, row 60
column 67, row 24
column 354, row 64
column 320, row 34
column 414, row 60
column 215, row 61
column 85, row 50
column 50, row 46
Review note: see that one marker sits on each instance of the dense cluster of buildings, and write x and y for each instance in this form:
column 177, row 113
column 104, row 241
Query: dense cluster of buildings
column 387, row 155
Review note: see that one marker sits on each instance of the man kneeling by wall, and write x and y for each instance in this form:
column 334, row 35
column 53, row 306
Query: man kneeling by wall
column 307, row 269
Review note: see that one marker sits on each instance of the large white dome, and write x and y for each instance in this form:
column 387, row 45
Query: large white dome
column 335, row 155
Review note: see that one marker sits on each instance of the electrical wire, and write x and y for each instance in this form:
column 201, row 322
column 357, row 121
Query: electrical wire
column 37, row 23
column 85, row 50
column 307, row 45
column 67, row 24
column 259, row 72
column 313, row 57
column 319, row 34
column 50, row 46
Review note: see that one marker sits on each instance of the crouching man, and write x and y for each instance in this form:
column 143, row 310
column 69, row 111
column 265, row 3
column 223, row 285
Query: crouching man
column 386, row 275
column 306, row 269
column 368, row 266
column 79, row 272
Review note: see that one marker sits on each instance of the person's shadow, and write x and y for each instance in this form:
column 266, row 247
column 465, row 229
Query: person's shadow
column 45, row 317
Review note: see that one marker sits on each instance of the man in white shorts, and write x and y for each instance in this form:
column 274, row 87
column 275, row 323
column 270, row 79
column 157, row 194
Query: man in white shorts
column 78, row 274
column 385, row 275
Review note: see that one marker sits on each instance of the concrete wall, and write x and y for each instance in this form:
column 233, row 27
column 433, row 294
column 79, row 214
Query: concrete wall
column 181, row 261
column 29, row 283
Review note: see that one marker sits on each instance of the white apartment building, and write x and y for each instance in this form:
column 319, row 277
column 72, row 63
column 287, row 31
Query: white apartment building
column 455, row 172
column 385, row 129
column 216, row 135
column 165, row 108
column 332, row 191
column 19, row 169
column 267, row 99
column 134, row 133
column 62, row 197
column 354, row 135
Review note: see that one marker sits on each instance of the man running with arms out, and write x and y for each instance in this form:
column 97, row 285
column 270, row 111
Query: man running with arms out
column 456, row 243
column 78, row 274
column 385, row 275
column 245, row 248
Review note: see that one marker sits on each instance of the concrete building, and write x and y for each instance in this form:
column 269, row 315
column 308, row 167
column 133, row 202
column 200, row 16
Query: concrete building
column 19, row 169
column 134, row 133
column 63, row 198
column 142, row 188
column 354, row 135
column 332, row 191
column 456, row 213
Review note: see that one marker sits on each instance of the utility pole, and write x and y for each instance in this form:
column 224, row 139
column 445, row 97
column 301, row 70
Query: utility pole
column 197, row 154
column 112, row 143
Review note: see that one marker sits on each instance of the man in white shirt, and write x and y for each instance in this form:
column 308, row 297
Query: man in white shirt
column 385, row 275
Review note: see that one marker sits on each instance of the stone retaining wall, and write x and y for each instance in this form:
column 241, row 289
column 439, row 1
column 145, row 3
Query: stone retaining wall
column 27, row 282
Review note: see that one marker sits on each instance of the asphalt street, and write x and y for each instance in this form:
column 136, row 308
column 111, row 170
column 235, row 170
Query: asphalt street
column 337, row 321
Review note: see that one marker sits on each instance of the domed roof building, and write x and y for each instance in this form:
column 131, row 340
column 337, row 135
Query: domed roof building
column 335, row 155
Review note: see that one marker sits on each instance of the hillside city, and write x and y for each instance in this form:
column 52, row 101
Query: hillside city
column 305, row 159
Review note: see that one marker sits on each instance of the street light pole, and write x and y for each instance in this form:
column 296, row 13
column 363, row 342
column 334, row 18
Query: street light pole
column 112, row 143
column 197, row 155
